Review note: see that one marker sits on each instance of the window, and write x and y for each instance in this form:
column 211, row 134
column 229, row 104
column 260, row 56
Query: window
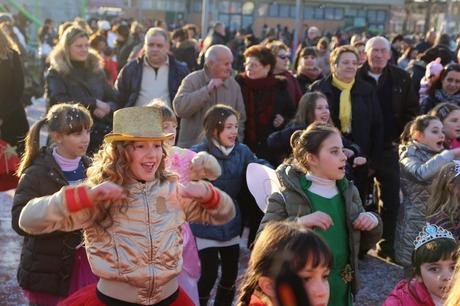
column 339, row 13
column 273, row 11
column 284, row 10
column 351, row 12
column 318, row 13
column 308, row 12
column 362, row 13
column 381, row 16
column 371, row 16
column 294, row 11
column 329, row 13
column 197, row 6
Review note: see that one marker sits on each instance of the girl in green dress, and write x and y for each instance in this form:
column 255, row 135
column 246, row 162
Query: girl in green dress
column 317, row 195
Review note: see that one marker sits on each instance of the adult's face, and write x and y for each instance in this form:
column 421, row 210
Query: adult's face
column 156, row 49
column 254, row 68
column 346, row 67
column 282, row 61
column 378, row 56
column 451, row 82
column 79, row 49
column 221, row 66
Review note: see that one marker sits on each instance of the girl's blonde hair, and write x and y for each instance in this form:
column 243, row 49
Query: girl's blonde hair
column 444, row 200
column 419, row 124
column 111, row 164
column 310, row 141
column 453, row 299
column 302, row 245
column 64, row 118
column 166, row 112
column 306, row 110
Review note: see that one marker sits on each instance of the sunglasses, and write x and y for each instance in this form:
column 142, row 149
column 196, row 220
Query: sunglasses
column 283, row 57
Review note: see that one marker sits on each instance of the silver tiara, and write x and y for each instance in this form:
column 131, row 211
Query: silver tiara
column 431, row 232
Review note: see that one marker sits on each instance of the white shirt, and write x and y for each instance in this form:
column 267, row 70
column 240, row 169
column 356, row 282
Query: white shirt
column 154, row 84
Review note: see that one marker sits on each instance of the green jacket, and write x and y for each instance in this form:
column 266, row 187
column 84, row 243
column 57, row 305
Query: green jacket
column 292, row 203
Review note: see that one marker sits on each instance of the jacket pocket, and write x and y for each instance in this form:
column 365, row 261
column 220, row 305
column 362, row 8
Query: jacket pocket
column 170, row 248
column 128, row 253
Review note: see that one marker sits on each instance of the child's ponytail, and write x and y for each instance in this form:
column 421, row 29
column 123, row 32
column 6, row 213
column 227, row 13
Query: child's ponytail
column 32, row 146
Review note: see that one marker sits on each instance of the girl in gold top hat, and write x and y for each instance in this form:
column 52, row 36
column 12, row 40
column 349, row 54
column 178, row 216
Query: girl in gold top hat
column 131, row 211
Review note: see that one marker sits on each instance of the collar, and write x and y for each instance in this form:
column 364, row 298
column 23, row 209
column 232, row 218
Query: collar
column 225, row 150
column 147, row 64
column 342, row 184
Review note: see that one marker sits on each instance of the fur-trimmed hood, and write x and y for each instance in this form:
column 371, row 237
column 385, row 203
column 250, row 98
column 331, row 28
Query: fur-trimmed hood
column 58, row 62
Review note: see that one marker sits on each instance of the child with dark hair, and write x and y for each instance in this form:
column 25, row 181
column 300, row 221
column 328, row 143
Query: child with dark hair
column 433, row 264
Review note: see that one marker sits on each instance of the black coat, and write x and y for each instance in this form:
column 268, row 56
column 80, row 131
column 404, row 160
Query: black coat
column 14, row 124
column 83, row 86
column 366, row 124
column 46, row 260
column 403, row 99
column 129, row 81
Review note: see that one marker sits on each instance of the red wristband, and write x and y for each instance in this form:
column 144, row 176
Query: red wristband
column 85, row 201
column 70, row 199
column 213, row 202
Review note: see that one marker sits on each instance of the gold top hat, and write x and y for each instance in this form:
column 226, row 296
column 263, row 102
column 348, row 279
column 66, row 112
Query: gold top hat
column 138, row 123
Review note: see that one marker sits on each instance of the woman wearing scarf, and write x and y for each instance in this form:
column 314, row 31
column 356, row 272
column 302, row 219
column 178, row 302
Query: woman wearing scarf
column 354, row 108
column 267, row 101
column 445, row 89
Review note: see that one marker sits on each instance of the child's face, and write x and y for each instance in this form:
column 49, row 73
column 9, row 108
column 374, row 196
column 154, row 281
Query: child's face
column 436, row 276
column 451, row 125
column 73, row 145
column 170, row 127
column 322, row 113
column 227, row 137
column 330, row 161
column 316, row 284
column 432, row 136
column 145, row 159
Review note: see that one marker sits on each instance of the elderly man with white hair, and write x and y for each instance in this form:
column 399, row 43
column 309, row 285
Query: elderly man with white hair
column 399, row 105
column 204, row 88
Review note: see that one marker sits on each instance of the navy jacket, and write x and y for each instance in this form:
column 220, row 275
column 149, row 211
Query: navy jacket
column 232, row 179
column 128, row 84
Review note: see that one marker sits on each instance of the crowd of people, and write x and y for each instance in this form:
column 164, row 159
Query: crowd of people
column 139, row 196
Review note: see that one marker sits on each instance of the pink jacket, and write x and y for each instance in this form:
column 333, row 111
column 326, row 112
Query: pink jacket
column 402, row 295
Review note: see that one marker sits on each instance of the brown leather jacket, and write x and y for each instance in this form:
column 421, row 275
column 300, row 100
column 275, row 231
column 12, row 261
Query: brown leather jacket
column 139, row 257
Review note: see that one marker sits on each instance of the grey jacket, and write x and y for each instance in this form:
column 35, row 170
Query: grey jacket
column 419, row 166
column 292, row 203
column 193, row 100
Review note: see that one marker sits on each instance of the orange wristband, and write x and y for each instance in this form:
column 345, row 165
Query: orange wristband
column 85, row 201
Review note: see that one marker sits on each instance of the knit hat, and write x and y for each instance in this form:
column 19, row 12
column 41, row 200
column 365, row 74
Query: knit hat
column 434, row 68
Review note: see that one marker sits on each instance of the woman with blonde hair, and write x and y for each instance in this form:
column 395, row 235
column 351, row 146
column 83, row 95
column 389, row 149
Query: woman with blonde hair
column 76, row 76
column 13, row 120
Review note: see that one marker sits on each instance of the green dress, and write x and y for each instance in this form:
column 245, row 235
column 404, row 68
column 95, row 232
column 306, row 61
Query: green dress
column 336, row 237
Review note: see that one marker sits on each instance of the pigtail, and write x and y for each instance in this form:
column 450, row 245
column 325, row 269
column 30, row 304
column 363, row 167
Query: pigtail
column 405, row 137
column 32, row 146
column 295, row 139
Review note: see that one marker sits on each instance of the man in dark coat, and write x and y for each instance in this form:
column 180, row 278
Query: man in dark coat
column 399, row 105
column 155, row 75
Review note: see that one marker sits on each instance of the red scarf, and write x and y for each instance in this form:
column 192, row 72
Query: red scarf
column 260, row 97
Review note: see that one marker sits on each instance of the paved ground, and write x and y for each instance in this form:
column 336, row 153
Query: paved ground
column 377, row 276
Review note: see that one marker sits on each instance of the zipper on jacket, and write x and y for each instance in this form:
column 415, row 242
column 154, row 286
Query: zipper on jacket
column 150, row 259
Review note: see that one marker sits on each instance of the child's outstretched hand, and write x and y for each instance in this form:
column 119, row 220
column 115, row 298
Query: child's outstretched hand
column 195, row 190
column 365, row 222
column 359, row 161
column 204, row 166
column 106, row 191
column 316, row 219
